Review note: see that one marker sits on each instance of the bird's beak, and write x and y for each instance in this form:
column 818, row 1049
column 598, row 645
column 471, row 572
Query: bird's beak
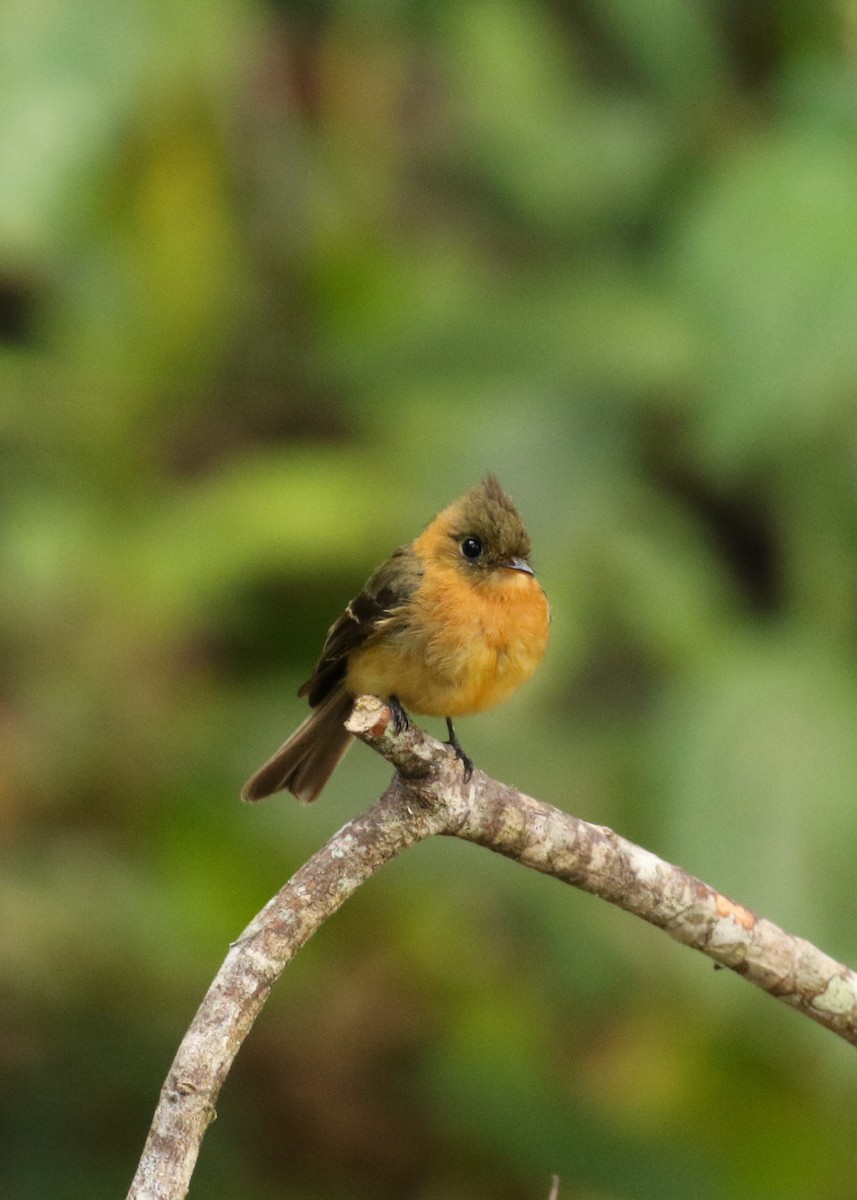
column 519, row 564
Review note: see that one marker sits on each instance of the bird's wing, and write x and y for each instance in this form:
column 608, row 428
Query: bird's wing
column 383, row 596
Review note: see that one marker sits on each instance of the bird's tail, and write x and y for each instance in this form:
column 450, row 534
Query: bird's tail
column 307, row 760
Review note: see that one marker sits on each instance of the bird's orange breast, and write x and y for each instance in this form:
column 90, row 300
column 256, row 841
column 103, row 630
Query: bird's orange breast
column 463, row 644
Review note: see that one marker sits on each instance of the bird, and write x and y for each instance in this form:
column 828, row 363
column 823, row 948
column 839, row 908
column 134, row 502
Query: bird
column 452, row 623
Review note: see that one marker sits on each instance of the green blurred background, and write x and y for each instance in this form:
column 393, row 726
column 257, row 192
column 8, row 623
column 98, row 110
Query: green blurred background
column 277, row 282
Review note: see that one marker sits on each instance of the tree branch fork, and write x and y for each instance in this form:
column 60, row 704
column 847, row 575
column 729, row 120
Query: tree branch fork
column 427, row 797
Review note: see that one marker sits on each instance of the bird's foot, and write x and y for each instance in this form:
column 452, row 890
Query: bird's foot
column 401, row 720
column 466, row 760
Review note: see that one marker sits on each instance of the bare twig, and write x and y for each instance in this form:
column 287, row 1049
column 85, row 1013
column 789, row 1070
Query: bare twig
column 428, row 797
column 252, row 966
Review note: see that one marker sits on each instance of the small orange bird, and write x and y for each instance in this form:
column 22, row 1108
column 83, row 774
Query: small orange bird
column 452, row 623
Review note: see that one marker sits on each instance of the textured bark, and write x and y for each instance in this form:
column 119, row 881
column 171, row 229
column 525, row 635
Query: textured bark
column 250, row 969
column 428, row 797
column 597, row 860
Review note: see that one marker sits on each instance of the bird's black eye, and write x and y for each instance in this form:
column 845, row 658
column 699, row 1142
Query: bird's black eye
column 471, row 548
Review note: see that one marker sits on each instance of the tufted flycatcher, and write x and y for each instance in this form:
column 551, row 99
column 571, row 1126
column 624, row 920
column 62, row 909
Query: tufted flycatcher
column 452, row 623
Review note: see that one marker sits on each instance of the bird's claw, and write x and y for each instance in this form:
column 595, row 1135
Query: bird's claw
column 465, row 759
column 401, row 720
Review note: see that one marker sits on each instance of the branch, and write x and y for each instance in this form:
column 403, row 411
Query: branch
column 254, row 963
column 597, row 860
column 427, row 797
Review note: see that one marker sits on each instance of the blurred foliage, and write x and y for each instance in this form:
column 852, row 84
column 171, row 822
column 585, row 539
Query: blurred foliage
column 276, row 283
